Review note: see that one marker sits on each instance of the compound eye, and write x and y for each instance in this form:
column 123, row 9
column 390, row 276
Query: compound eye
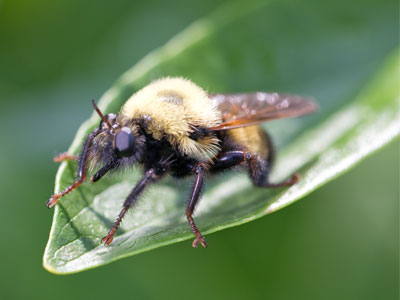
column 124, row 142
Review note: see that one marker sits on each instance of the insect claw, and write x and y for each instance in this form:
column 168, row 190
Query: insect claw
column 107, row 239
column 195, row 243
column 52, row 201
column 199, row 238
column 64, row 156
column 203, row 242
column 295, row 178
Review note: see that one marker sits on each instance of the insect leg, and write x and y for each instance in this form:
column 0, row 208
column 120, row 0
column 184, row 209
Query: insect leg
column 258, row 167
column 150, row 176
column 81, row 170
column 230, row 159
column 259, row 171
column 100, row 173
column 198, row 185
column 65, row 156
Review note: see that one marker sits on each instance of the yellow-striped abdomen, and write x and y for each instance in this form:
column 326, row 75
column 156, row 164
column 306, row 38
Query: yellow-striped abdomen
column 253, row 138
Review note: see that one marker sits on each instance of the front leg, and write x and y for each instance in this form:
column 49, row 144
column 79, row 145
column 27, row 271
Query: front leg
column 151, row 175
column 82, row 169
column 65, row 156
column 100, row 173
column 198, row 186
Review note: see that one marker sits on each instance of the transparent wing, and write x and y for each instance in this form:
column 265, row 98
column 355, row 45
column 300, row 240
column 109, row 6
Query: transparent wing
column 240, row 110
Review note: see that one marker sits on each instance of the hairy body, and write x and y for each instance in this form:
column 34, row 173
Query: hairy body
column 173, row 126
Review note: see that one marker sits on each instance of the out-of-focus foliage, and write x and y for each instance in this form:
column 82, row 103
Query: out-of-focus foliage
column 340, row 242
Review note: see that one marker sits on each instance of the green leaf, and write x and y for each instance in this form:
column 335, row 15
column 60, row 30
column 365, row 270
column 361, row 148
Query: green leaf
column 307, row 48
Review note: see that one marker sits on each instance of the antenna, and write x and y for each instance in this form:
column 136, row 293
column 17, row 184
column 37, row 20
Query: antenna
column 101, row 114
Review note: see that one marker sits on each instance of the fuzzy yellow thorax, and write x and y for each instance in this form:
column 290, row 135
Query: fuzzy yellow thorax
column 173, row 107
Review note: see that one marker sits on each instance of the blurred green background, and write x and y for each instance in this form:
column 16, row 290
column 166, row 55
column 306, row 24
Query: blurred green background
column 339, row 242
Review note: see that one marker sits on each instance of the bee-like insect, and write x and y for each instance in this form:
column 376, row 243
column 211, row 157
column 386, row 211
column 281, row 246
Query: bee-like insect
column 173, row 126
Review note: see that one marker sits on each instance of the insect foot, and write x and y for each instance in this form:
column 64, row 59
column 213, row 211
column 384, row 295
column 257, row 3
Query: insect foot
column 199, row 238
column 53, row 200
column 108, row 238
column 295, row 178
column 64, row 156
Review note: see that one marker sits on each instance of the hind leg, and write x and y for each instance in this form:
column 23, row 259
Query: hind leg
column 259, row 169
